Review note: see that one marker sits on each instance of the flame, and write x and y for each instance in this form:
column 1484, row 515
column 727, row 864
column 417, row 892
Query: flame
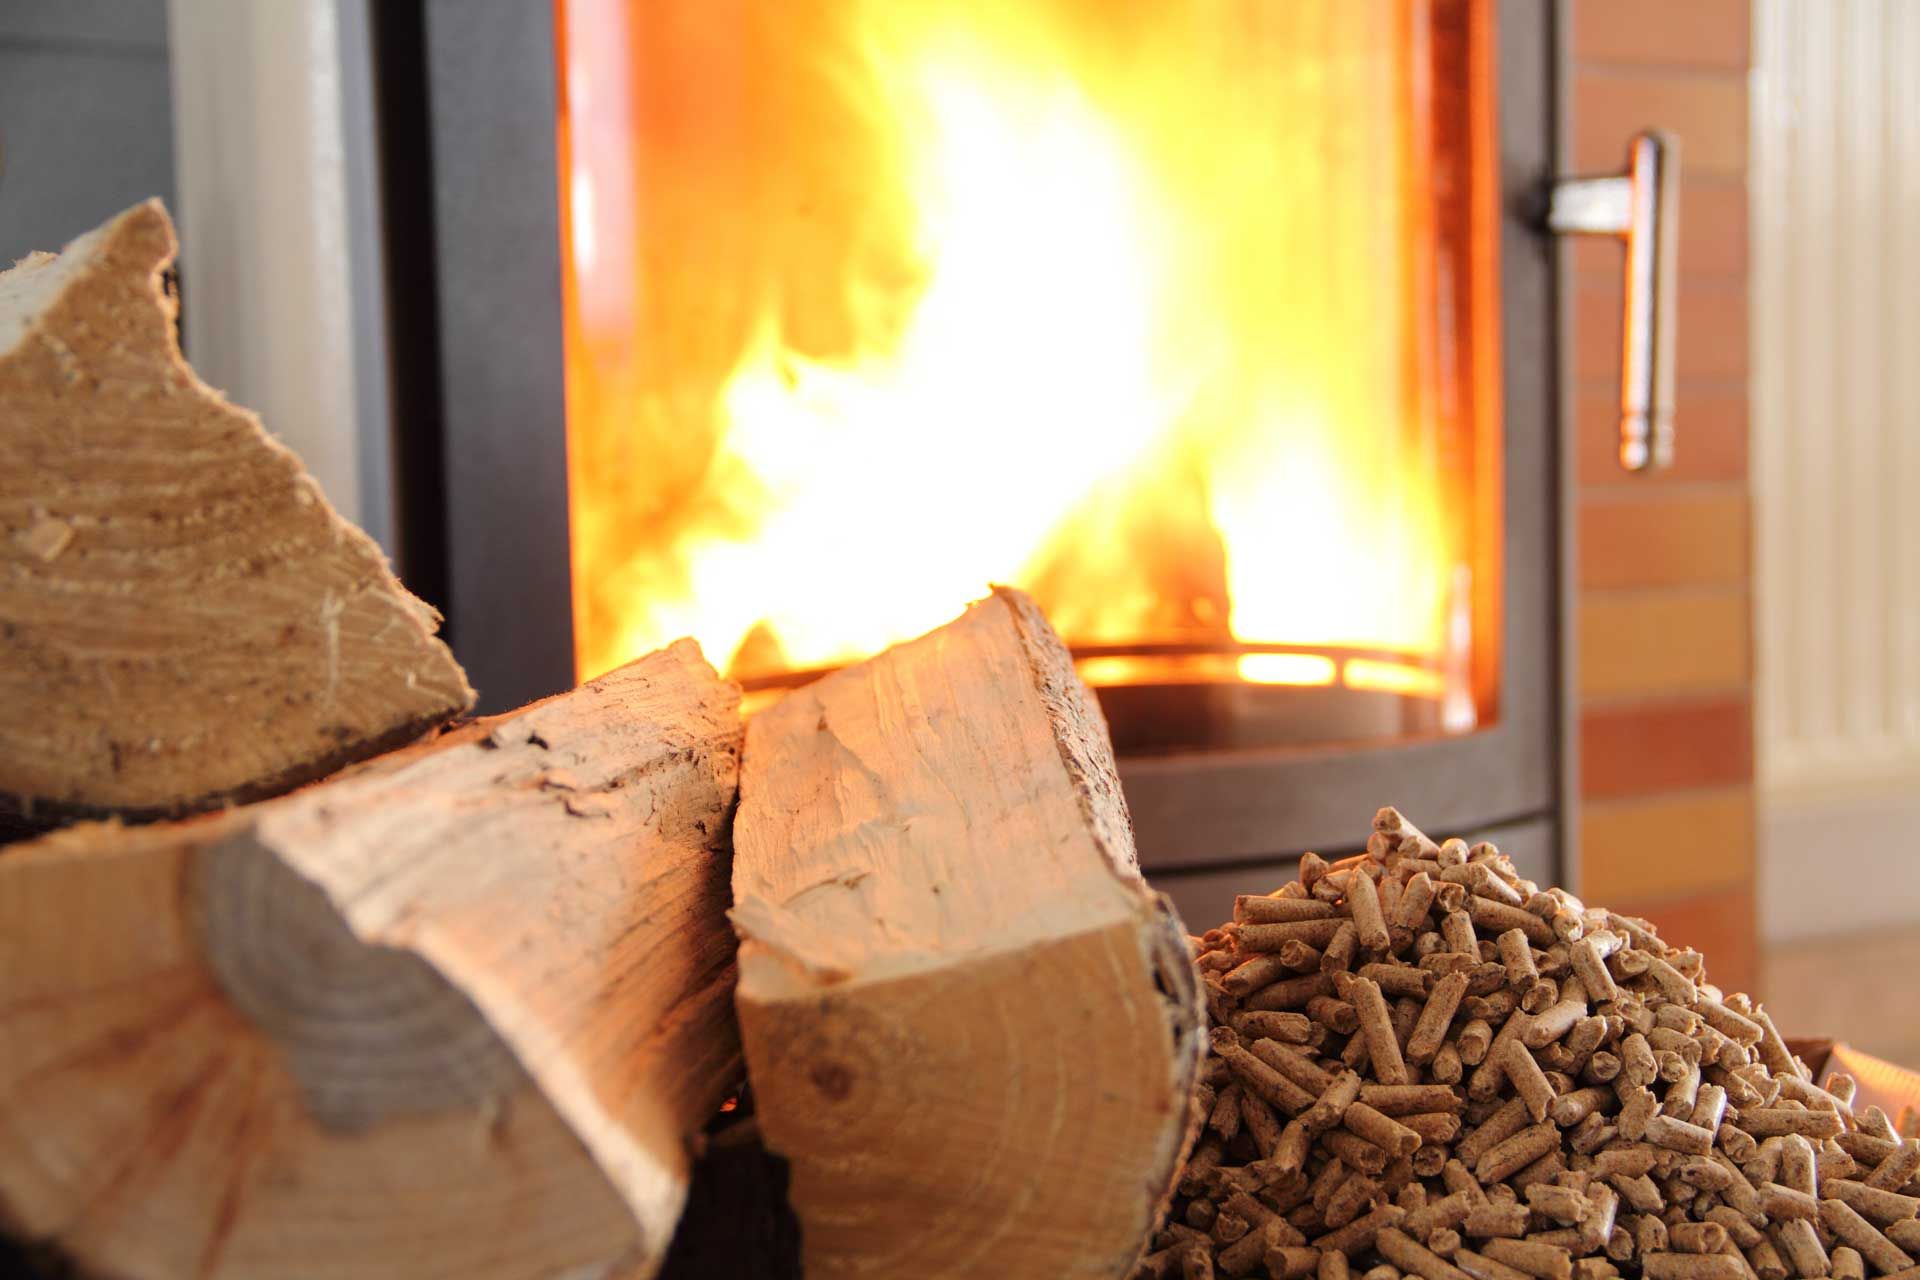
column 868, row 308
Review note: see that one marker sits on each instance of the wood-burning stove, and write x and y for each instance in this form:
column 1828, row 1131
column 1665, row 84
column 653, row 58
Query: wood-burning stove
column 1228, row 777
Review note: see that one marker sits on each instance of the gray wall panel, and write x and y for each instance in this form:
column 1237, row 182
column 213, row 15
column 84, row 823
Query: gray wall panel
column 103, row 22
column 84, row 132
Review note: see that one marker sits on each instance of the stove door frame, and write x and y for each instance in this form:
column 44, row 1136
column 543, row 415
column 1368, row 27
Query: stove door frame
column 489, row 415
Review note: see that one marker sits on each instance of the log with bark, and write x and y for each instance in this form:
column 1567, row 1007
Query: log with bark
column 971, row 1028
column 185, row 621
column 453, row 1013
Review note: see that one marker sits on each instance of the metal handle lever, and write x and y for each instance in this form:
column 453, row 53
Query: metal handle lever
column 1642, row 208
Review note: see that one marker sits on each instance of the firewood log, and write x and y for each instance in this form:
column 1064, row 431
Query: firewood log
column 970, row 1026
column 455, row 1012
column 184, row 621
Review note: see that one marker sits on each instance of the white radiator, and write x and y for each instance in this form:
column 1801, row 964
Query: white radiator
column 1835, row 213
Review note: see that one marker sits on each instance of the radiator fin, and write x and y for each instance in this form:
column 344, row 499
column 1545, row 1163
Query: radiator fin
column 1835, row 212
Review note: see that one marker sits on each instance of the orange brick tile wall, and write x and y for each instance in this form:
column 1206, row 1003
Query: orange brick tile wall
column 1664, row 575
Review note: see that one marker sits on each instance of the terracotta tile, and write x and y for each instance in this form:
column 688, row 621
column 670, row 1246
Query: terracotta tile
column 1630, row 751
column 1713, row 234
column 1720, row 926
column 1710, row 439
column 1667, row 846
column 1664, row 538
column 1712, row 334
column 1708, row 112
column 1696, row 33
column 1636, row 644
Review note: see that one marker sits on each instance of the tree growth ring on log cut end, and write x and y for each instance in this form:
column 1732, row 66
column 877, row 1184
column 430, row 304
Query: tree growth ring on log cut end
column 455, row 1012
column 184, row 620
column 370, row 1032
column 971, row 1028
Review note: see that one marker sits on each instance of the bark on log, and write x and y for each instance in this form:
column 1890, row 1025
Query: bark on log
column 453, row 1013
column 970, row 1027
column 184, row 619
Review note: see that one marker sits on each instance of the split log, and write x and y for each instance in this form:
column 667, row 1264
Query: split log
column 970, row 1026
column 186, row 622
column 453, row 1013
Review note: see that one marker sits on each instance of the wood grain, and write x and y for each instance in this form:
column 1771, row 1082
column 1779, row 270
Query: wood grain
column 454, row 1013
column 970, row 1026
column 187, row 622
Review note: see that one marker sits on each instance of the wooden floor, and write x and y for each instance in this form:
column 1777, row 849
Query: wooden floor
column 1862, row 988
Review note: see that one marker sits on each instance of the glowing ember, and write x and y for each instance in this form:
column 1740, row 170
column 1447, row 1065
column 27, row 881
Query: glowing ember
column 1141, row 306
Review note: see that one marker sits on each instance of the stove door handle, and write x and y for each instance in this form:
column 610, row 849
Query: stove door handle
column 1641, row 208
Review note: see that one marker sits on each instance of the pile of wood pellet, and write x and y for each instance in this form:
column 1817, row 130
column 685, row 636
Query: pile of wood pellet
column 1423, row 1064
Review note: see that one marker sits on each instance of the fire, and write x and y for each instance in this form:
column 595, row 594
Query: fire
column 871, row 307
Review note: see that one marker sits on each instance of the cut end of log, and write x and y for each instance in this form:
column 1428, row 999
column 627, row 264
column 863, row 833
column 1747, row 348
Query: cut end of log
column 456, row 1012
column 371, row 1033
column 189, row 623
column 972, row 1028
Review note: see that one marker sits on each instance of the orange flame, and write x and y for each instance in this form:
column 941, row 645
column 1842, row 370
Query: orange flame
column 1137, row 307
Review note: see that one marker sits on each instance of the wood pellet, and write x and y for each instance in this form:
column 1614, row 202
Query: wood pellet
column 1423, row 1064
